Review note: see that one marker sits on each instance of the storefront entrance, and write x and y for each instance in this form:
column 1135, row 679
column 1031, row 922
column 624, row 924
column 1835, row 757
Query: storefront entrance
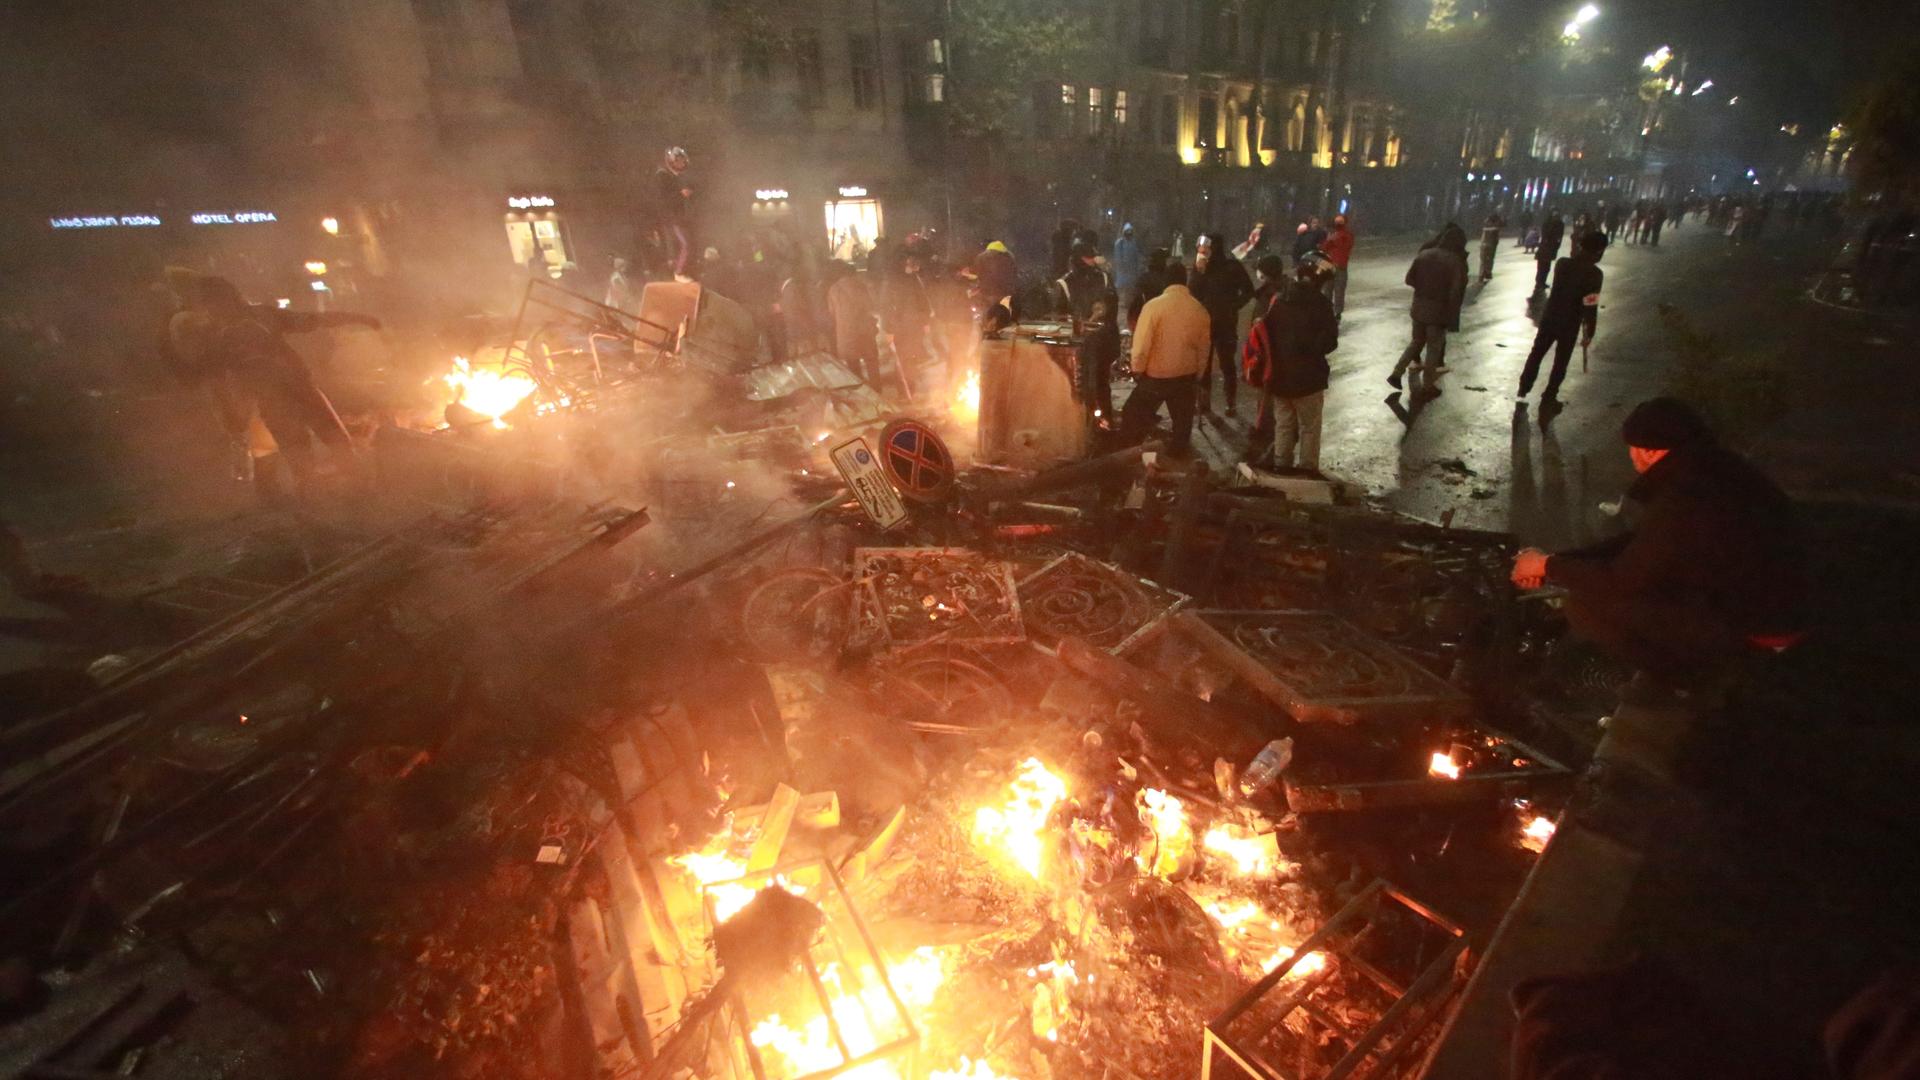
column 853, row 224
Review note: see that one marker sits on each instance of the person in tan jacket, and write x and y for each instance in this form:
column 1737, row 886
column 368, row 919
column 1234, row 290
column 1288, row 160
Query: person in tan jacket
column 1172, row 346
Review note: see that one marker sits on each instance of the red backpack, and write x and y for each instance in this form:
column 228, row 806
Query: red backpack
column 1256, row 356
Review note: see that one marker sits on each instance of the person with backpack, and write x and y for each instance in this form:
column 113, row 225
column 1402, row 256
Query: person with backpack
column 1286, row 356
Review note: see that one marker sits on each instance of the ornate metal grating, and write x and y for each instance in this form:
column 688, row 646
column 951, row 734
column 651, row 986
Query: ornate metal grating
column 1097, row 602
column 910, row 597
column 1321, row 668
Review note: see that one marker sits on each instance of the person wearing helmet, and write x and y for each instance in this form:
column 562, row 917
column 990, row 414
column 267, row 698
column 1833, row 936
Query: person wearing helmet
column 673, row 211
column 1300, row 331
column 1083, row 285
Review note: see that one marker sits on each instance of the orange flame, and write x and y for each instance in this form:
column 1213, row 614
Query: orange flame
column 1444, row 765
column 491, row 392
column 966, row 398
column 1016, row 829
column 1535, row 834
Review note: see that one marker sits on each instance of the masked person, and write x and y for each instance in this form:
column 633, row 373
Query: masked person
column 1220, row 282
column 1083, row 285
column 1714, row 567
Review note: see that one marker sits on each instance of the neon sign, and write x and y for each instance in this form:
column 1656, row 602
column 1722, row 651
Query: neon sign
column 238, row 217
column 104, row 221
column 529, row 202
column 770, row 194
column 853, row 192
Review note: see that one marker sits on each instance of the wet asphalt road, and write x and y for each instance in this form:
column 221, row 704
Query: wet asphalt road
column 1850, row 385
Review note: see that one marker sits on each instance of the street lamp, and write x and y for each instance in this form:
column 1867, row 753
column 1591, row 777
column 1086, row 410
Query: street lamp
column 1586, row 14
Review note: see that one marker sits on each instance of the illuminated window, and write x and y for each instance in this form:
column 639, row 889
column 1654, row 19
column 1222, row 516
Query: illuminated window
column 864, row 65
column 933, row 87
column 1096, row 110
column 1069, row 106
column 936, row 52
column 1120, row 112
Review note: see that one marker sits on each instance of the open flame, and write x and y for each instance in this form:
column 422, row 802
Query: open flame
column 1172, row 845
column 811, row 1048
column 1016, row 829
column 966, row 398
column 491, row 392
column 1444, row 765
column 1535, row 833
column 1249, row 853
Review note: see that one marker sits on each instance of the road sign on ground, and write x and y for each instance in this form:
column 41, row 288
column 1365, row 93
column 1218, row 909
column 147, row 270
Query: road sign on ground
column 862, row 472
column 916, row 461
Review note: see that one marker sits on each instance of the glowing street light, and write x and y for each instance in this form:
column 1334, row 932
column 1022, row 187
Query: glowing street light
column 317, row 268
column 1703, row 88
column 1586, row 14
column 330, row 226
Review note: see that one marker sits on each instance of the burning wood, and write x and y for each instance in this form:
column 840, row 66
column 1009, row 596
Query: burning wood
column 489, row 392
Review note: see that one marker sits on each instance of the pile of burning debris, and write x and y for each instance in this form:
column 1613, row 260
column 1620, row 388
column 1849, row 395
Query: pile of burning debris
column 1095, row 770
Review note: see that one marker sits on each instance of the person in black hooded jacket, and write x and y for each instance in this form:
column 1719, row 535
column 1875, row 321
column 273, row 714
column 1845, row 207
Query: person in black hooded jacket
column 1221, row 284
column 1439, row 279
column 1716, row 565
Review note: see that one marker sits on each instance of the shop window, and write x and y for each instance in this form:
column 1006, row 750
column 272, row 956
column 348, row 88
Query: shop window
column 864, row 67
column 852, row 225
column 807, row 70
column 1096, row 110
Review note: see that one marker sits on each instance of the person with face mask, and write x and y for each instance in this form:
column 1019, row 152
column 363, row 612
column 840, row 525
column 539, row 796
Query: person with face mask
column 1220, row 282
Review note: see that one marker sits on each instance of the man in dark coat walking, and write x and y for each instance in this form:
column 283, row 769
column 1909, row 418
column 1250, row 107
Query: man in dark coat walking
column 1572, row 308
column 1439, row 279
column 1715, row 567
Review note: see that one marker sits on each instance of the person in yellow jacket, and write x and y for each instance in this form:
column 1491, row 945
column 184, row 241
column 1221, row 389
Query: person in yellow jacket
column 1172, row 347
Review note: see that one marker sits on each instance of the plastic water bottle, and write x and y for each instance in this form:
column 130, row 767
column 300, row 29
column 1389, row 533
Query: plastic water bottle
column 1267, row 766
